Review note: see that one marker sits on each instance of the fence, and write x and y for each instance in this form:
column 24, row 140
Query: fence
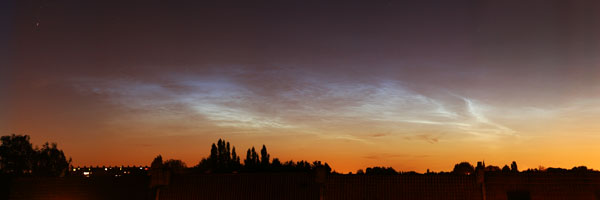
column 300, row 186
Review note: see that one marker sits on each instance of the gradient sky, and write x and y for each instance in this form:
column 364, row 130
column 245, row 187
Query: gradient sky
column 413, row 86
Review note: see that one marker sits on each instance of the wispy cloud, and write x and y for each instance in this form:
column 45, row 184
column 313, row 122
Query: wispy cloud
column 426, row 137
column 389, row 156
column 338, row 109
column 483, row 125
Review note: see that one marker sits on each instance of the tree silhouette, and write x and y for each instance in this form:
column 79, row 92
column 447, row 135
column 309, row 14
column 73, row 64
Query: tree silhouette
column 276, row 165
column 235, row 157
column 380, row 171
column 248, row 160
column 580, row 169
column 255, row 158
column 18, row 157
column 50, row 161
column 513, row 167
column 264, row 157
column 156, row 163
column 175, row 166
column 252, row 160
column 505, row 169
column 319, row 164
column 463, row 168
column 214, row 156
column 223, row 154
column 222, row 158
column 248, row 163
column 491, row 168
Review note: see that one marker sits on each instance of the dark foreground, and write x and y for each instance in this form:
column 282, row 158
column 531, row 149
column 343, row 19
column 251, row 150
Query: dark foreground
column 308, row 186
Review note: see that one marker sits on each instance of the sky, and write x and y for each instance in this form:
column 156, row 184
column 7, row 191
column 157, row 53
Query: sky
column 414, row 85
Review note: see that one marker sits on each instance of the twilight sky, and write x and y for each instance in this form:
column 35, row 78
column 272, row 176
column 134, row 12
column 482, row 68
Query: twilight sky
column 410, row 85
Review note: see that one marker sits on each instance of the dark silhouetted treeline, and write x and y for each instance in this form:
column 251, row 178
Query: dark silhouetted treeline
column 577, row 169
column 380, row 171
column 465, row 168
column 224, row 158
column 18, row 157
column 172, row 165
